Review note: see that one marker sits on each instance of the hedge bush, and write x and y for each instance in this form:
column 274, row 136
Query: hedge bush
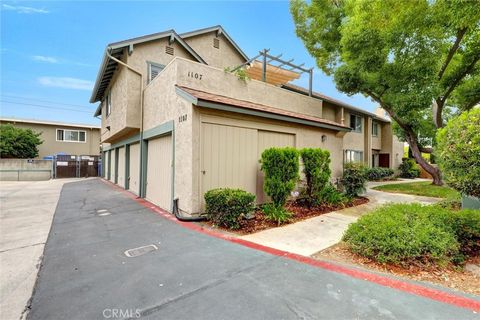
column 458, row 152
column 403, row 234
column 378, row 173
column 409, row 169
column 226, row 207
column 354, row 179
column 316, row 167
column 280, row 166
column 464, row 224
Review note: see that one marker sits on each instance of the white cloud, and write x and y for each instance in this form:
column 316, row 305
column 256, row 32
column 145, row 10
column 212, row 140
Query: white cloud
column 45, row 59
column 21, row 9
column 65, row 82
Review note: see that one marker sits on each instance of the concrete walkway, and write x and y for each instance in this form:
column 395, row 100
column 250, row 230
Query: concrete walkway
column 193, row 275
column 312, row 235
column 27, row 209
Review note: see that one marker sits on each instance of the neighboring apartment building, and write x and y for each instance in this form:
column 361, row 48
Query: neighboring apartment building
column 59, row 137
column 175, row 124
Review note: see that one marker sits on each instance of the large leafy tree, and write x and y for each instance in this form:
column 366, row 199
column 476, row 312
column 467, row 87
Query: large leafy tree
column 417, row 59
column 18, row 143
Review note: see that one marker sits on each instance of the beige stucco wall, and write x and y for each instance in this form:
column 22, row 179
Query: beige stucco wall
column 217, row 81
column 51, row 146
column 225, row 56
column 162, row 104
column 330, row 112
column 24, row 170
column 124, row 119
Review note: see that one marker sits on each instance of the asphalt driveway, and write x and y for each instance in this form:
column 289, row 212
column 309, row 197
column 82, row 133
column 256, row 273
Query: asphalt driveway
column 86, row 275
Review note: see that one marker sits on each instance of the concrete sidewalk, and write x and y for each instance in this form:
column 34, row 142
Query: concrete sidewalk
column 315, row 234
column 27, row 209
column 192, row 275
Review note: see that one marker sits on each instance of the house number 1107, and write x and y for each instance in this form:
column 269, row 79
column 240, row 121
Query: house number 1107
column 194, row 75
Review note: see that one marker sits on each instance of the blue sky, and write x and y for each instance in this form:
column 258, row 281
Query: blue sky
column 51, row 51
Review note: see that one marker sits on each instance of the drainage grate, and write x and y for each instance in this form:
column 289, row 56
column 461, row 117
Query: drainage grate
column 136, row 252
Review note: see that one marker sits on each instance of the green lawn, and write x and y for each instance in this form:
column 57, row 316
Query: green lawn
column 423, row 188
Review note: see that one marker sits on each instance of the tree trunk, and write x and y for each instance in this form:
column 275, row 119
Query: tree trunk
column 433, row 171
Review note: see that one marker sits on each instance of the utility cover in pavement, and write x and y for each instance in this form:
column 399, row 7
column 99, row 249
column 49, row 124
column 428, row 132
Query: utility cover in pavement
column 135, row 252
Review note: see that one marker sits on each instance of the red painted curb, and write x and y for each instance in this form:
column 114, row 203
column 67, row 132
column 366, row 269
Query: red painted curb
column 416, row 289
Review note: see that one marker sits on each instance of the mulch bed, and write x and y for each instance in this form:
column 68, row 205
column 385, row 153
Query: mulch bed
column 450, row 276
column 259, row 222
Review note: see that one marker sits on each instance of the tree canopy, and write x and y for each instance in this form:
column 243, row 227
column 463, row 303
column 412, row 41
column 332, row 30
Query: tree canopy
column 417, row 59
column 18, row 143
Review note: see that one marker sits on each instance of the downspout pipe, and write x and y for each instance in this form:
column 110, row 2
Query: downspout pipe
column 109, row 49
column 177, row 214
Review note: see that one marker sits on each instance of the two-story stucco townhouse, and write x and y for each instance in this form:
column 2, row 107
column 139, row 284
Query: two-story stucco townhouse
column 175, row 124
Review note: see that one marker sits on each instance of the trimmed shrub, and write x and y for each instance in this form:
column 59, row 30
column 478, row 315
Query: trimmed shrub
column 378, row 173
column 465, row 224
column 331, row 196
column 409, row 169
column 354, row 178
column 403, row 234
column 280, row 166
column 226, row 207
column 458, row 152
column 316, row 167
column 275, row 213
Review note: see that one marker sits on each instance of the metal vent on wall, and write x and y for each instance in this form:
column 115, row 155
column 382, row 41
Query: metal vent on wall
column 169, row 50
column 216, row 43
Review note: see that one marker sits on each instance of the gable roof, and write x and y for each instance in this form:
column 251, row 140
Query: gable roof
column 219, row 29
column 116, row 49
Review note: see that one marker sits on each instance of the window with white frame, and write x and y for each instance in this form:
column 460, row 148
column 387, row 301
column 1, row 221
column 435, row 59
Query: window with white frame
column 153, row 70
column 353, row 156
column 71, row 135
column 108, row 104
column 375, row 129
column 356, row 123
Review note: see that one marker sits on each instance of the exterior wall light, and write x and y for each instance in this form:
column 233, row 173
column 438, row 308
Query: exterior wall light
column 324, row 138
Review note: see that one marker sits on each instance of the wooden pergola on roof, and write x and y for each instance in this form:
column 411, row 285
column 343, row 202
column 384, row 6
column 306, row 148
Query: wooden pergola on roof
column 272, row 69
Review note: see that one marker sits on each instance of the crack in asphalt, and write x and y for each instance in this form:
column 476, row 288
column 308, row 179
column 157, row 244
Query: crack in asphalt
column 213, row 284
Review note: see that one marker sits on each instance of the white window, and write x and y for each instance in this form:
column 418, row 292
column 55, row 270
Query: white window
column 353, row 156
column 153, row 70
column 356, row 123
column 374, row 129
column 108, row 104
column 71, row 135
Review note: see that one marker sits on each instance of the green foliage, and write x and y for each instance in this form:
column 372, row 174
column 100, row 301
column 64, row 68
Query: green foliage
column 280, row 166
column 458, row 152
column 316, row 167
column 403, row 234
column 409, row 169
column 464, row 224
column 402, row 54
column 275, row 213
column 329, row 195
column 18, row 143
column 226, row 207
column 378, row 173
column 354, row 179
column 241, row 73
